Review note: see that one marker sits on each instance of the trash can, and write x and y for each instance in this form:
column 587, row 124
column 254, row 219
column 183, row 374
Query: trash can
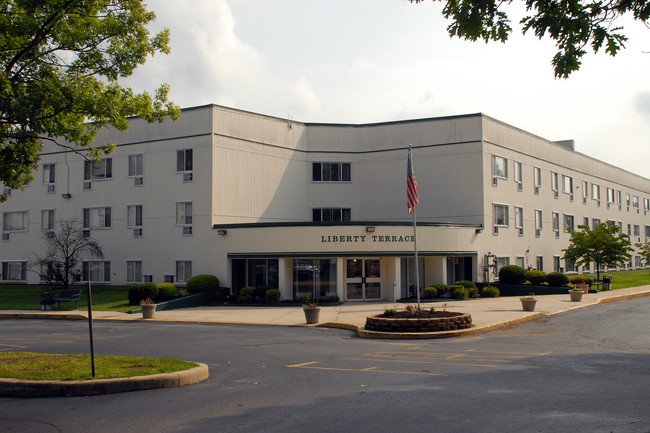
column 607, row 282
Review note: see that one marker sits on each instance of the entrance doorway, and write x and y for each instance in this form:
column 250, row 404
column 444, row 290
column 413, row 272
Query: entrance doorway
column 363, row 279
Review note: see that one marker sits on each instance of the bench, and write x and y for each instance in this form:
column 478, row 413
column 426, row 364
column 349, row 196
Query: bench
column 69, row 295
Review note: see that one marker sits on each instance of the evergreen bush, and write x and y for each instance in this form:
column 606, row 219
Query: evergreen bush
column 557, row 279
column 202, row 283
column 490, row 292
column 272, row 296
column 535, row 277
column 581, row 279
column 467, row 284
column 430, row 292
column 166, row 291
column 260, row 291
column 512, row 274
column 442, row 289
column 458, row 292
column 142, row 291
column 246, row 295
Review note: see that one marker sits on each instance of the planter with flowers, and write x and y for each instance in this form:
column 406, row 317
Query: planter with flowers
column 311, row 310
column 576, row 293
column 148, row 308
column 528, row 302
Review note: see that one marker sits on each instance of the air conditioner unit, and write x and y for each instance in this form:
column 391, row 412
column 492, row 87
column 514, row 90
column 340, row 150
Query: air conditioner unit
column 187, row 230
column 598, row 204
column 51, row 188
column 556, row 194
column 5, row 236
column 188, row 176
column 137, row 232
column 496, row 230
column 584, row 200
column 608, row 205
column 495, row 181
column 538, row 232
column 138, row 181
column 49, row 234
column 7, row 190
column 520, row 186
column 521, row 231
column 86, row 233
column 557, row 235
column 88, row 184
column 571, row 198
column 537, row 190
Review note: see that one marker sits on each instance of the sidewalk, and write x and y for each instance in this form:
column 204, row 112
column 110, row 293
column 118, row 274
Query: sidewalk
column 487, row 313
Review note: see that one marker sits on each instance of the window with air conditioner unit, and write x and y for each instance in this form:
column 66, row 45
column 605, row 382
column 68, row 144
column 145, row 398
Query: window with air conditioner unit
column 500, row 216
column 519, row 176
column 555, row 180
column 97, row 171
column 538, row 222
column 14, row 222
column 185, row 164
column 537, row 175
column 134, row 219
column 499, row 169
column 49, row 177
column 136, row 169
column 96, row 218
column 184, row 217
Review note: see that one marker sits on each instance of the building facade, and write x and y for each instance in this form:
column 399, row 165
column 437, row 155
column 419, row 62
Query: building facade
column 319, row 209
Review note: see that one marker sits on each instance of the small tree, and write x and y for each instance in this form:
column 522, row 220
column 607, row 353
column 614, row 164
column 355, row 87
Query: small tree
column 644, row 250
column 603, row 245
column 66, row 247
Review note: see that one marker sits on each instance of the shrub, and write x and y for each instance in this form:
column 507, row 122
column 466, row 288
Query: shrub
column 223, row 294
column 260, row 291
column 466, row 284
column 512, row 274
column 472, row 292
column 202, row 283
column 246, row 295
column 142, row 291
column 167, row 291
column 458, row 292
column 535, row 277
column 557, row 279
column 581, row 279
column 490, row 292
column 272, row 296
column 335, row 298
column 442, row 289
column 430, row 292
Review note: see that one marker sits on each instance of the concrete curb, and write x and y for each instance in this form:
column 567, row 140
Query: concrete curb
column 70, row 316
column 78, row 388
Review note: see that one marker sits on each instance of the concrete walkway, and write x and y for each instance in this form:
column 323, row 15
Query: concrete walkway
column 487, row 313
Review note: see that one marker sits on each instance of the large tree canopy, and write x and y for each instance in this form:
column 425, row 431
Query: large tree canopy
column 60, row 65
column 572, row 24
column 603, row 245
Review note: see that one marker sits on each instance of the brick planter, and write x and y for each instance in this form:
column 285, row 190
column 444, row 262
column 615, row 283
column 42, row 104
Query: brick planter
column 436, row 324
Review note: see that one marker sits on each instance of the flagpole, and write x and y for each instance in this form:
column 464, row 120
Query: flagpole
column 415, row 234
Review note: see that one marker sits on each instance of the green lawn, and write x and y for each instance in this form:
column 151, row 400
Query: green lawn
column 45, row 366
column 27, row 297
column 624, row 279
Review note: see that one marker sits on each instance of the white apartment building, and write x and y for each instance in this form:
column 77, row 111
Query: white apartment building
column 320, row 209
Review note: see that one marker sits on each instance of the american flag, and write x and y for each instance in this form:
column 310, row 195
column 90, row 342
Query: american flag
column 411, row 186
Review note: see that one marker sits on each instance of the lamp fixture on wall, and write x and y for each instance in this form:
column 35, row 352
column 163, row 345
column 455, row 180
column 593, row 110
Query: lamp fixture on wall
column 222, row 232
column 370, row 229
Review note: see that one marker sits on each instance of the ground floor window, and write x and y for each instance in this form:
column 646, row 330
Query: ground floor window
column 98, row 271
column 539, row 263
column 315, row 278
column 501, row 262
column 183, row 271
column 14, row 271
column 254, row 272
column 134, row 271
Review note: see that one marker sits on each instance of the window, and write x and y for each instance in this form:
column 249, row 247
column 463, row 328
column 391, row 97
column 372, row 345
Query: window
column 647, row 231
column 629, row 229
column 637, row 230
column 610, row 195
column 49, row 177
column 637, row 262
column 47, row 220
column 520, row 261
column 136, row 166
column 17, row 221
column 646, row 204
column 595, row 222
column 539, row 263
column 331, row 214
column 568, row 223
column 183, row 271
column 98, row 271
column 554, row 183
column 570, row 265
column 556, row 264
column 14, row 271
column 184, row 164
column 556, row 224
column 519, row 220
column 501, row 262
column 619, row 200
column 98, row 170
column 134, row 271
column 635, row 202
column 538, row 222
column 585, row 221
column 97, row 218
column 595, row 192
column 567, row 185
column 518, row 176
column 500, row 216
column 184, row 216
column 134, row 219
column 537, row 174
column 331, row 172
column 627, row 200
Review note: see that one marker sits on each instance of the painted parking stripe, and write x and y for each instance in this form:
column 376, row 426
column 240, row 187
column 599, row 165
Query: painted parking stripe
column 312, row 366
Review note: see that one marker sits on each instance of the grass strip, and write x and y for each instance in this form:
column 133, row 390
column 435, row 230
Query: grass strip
column 48, row 366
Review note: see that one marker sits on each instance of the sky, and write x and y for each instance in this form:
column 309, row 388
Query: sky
column 365, row 61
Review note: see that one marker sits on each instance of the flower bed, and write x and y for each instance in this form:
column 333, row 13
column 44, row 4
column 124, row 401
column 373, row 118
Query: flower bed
column 441, row 321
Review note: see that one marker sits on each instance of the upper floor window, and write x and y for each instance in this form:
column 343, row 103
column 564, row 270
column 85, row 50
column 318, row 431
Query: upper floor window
column 184, row 164
column 14, row 271
column 568, row 223
column 567, row 185
column 647, row 232
column 97, row 218
column 537, row 174
column 646, row 204
column 595, row 192
column 635, row 202
column 47, row 220
column 556, row 224
column 595, row 222
column 538, row 220
column 16, row 221
column 519, row 220
column 500, row 216
column 330, row 214
column 610, row 195
column 499, row 167
column 49, row 177
column 555, row 180
column 136, row 169
column 184, row 216
column 637, row 230
column 134, row 219
column 331, row 172
column 518, row 175
column 98, row 170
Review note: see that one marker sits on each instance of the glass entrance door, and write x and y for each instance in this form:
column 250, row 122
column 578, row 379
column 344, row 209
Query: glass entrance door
column 363, row 279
